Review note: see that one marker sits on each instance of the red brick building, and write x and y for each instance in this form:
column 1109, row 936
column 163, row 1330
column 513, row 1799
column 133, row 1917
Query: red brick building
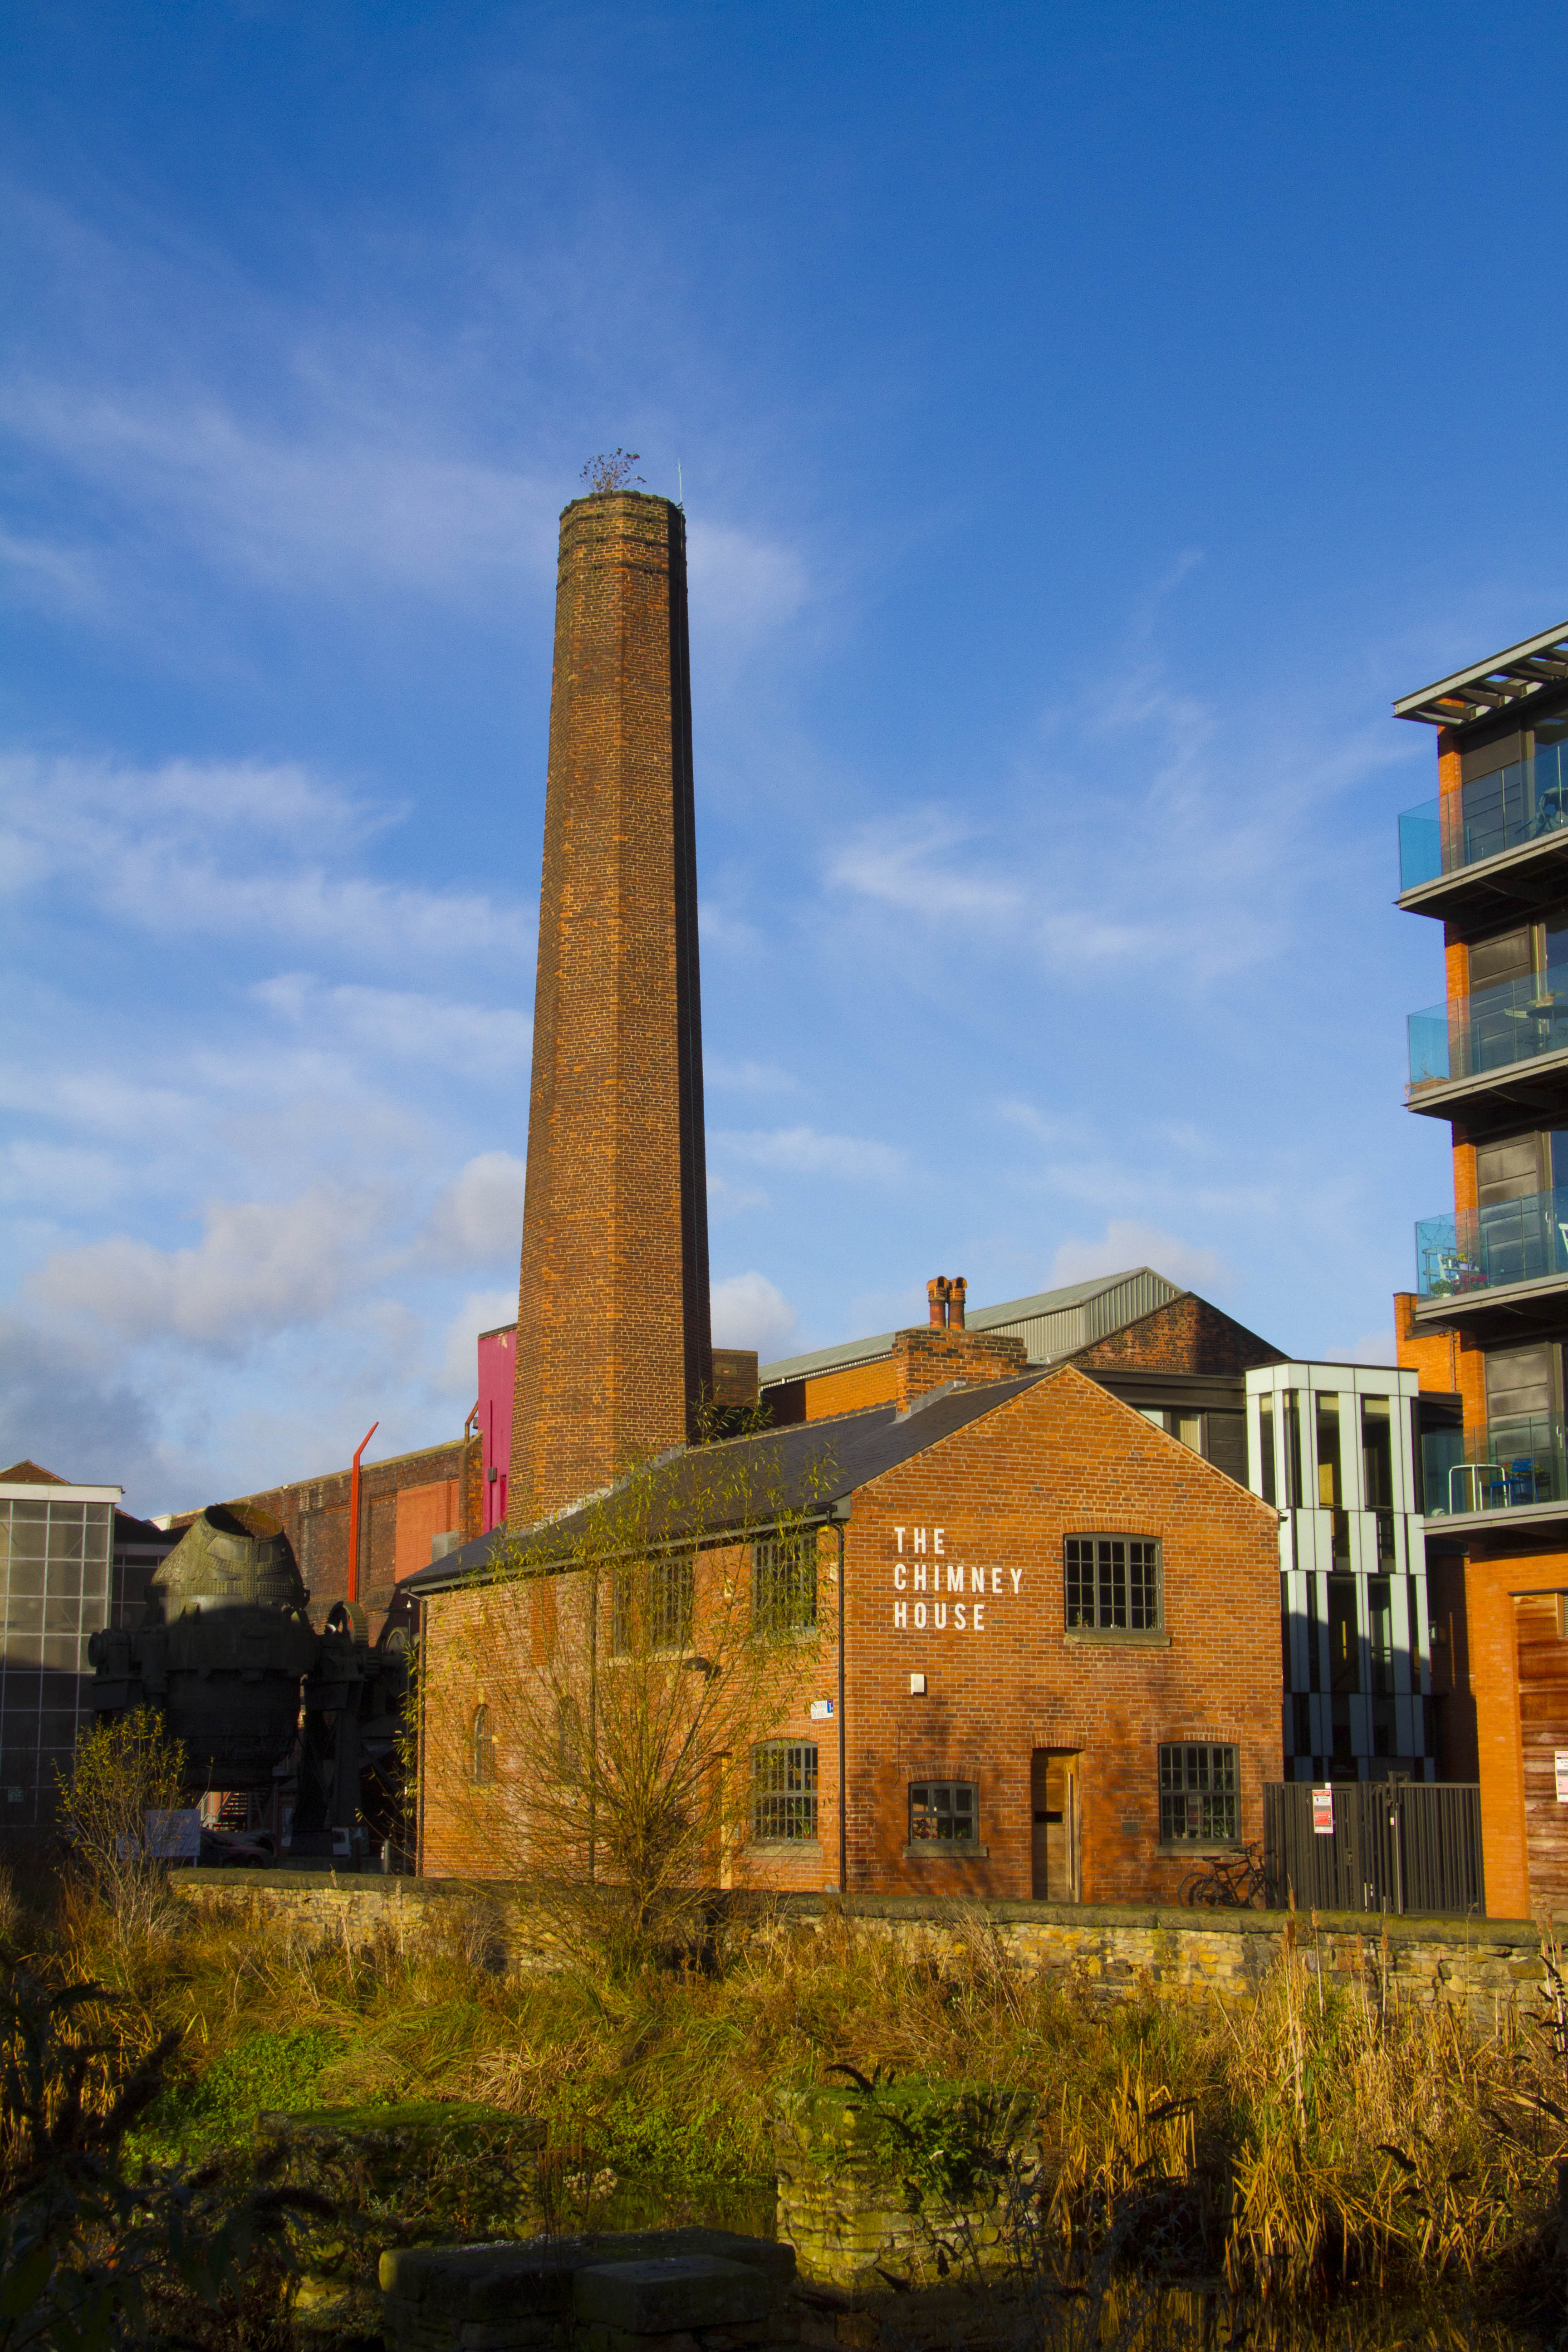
column 1043, row 1653
column 406, row 1504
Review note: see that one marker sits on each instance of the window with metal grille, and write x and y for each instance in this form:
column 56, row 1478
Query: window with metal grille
column 568, row 1741
column 659, row 1592
column 945, row 1808
column 784, row 1583
column 783, row 1790
column 669, row 1603
column 482, row 1747
column 1198, row 1794
column 1113, row 1584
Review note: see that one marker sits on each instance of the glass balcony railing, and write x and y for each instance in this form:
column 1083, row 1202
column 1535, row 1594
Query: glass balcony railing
column 1499, row 812
column 1477, row 1249
column 1491, row 1030
column 1512, row 1464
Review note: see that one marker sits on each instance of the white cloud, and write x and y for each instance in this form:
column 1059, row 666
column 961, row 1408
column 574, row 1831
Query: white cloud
column 396, row 1024
column 231, row 849
column 725, row 1200
column 353, row 496
column 61, row 578
column 749, row 1312
column 482, row 1310
column 748, row 1077
column 260, row 1267
column 478, row 1218
column 803, row 1152
column 742, row 587
column 61, row 1409
column 1126, row 1243
column 908, row 863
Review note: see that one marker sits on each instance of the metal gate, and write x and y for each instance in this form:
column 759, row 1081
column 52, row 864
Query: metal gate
column 1393, row 1845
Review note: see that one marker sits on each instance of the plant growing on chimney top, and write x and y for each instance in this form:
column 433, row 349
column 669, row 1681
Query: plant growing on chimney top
column 612, row 472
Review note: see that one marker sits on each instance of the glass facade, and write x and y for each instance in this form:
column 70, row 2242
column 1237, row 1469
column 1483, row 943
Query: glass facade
column 55, row 1554
column 1342, row 1439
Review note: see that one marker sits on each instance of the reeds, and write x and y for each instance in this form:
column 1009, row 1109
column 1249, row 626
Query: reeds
column 1321, row 2133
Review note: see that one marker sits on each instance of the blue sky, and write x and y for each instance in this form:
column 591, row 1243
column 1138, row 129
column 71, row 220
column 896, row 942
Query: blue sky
column 1089, row 419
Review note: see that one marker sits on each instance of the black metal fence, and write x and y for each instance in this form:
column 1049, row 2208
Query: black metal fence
column 1374, row 1845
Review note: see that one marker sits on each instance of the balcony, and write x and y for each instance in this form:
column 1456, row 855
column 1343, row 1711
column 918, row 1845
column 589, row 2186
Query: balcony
column 1514, row 1466
column 1497, row 843
column 1508, row 1043
column 1474, row 1251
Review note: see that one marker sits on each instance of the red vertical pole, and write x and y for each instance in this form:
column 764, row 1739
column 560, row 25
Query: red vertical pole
column 353, row 1513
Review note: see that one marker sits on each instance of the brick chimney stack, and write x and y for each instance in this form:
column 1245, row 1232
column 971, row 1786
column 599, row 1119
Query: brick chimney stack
column 942, row 1354
column 614, row 1344
column 946, row 1297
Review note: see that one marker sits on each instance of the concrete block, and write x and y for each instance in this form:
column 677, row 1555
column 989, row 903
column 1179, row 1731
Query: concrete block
column 664, row 2295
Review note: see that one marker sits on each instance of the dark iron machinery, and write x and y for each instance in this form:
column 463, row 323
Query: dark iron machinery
column 227, row 1654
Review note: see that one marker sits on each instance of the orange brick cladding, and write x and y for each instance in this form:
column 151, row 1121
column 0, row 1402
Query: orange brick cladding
column 614, row 1348
column 996, row 1500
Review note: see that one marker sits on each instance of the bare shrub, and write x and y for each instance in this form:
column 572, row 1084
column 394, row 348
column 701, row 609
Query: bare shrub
column 593, row 1711
column 123, row 1770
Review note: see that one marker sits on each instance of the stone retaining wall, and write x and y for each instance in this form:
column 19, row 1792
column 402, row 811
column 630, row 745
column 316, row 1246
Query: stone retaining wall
column 1108, row 1953
column 652, row 2290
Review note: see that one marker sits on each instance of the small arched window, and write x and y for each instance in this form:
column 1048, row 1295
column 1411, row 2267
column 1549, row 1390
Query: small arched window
column 482, row 1747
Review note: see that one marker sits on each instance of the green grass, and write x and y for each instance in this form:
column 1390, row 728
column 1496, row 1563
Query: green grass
column 217, row 2107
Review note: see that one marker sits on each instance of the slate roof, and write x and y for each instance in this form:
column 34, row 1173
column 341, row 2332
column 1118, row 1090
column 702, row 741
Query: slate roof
column 807, row 1468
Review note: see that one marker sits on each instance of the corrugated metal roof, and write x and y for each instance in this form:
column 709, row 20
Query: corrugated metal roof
column 1052, row 1323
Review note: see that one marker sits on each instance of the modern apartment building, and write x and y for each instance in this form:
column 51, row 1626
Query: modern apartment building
column 1486, row 1324
column 1334, row 1448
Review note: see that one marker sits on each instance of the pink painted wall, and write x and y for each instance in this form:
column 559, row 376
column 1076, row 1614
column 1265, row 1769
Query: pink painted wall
column 498, row 1363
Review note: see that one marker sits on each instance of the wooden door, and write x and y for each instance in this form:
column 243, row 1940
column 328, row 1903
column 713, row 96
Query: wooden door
column 1054, row 1797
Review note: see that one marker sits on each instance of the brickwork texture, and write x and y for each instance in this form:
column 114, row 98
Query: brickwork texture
column 954, row 1569
column 614, row 1346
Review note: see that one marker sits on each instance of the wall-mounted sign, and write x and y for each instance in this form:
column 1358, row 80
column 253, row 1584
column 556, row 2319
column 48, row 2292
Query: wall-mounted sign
column 822, row 1711
column 922, row 1567
column 1560, row 1760
column 1322, row 1813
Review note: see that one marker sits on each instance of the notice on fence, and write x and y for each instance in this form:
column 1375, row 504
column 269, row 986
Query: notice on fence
column 174, row 1834
column 1322, row 1813
column 1561, row 1763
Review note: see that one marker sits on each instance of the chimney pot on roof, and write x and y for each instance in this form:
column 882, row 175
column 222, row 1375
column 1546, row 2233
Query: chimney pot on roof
column 936, row 1293
column 957, row 1290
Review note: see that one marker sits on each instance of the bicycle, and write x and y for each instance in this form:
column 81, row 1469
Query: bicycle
column 1228, row 1883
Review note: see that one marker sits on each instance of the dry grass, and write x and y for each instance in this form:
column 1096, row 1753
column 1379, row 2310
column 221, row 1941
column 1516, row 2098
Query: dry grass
column 1316, row 2135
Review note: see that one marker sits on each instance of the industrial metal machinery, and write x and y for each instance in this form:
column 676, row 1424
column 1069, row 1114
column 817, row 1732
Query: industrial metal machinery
column 227, row 1654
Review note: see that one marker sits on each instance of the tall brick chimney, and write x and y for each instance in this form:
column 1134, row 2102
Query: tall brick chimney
column 614, row 1346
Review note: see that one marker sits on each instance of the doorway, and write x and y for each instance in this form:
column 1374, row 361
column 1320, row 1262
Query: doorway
column 1054, row 1798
